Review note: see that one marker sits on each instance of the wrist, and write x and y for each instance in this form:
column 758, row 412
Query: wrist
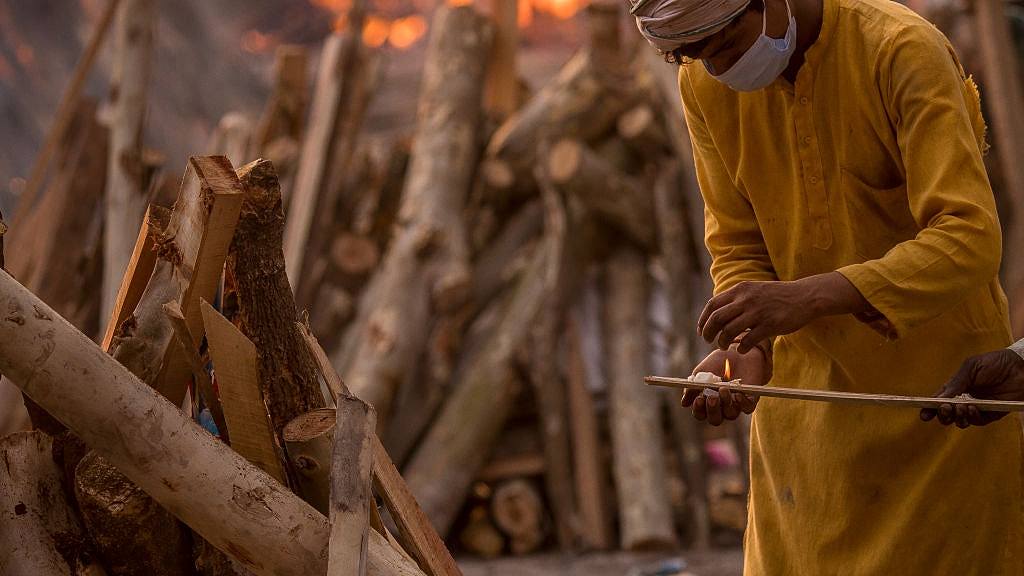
column 831, row 294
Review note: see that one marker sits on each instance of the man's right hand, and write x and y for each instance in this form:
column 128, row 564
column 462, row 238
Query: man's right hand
column 751, row 368
column 996, row 375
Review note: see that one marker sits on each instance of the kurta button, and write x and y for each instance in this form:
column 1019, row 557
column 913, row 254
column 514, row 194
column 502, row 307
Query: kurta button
column 807, row 139
column 814, row 179
column 804, row 100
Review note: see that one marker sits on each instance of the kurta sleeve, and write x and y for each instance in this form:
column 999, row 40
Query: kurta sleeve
column 731, row 231
column 936, row 117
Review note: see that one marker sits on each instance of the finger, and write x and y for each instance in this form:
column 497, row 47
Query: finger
column 688, row 397
column 712, row 305
column 700, row 408
column 718, row 320
column 959, row 383
column 730, row 404
column 974, row 416
column 748, row 403
column 961, row 416
column 751, row 339
column 928, row 414
column 733, row 329
column 946, row 414
column 714, row 403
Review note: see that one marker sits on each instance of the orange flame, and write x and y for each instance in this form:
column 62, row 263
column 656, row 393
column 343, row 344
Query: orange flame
column 728, row 371
column 255, row 42
column 376, row 31
column 406, row 31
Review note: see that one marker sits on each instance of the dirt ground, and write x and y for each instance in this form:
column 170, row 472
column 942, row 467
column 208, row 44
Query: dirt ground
column 714, row 563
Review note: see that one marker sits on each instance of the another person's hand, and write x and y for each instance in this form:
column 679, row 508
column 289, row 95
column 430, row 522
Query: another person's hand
column 996, row 375
column 751, row 368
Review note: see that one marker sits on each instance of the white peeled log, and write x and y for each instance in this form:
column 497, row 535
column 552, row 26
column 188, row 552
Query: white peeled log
column 234, row 505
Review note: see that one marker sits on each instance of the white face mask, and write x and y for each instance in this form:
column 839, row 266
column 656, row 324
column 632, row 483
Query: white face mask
column 763, row 62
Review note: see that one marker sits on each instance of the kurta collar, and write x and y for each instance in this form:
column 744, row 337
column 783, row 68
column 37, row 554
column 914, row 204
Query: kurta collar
column 815, row 52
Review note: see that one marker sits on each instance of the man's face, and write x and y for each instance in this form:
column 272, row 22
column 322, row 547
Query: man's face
column 726, row 46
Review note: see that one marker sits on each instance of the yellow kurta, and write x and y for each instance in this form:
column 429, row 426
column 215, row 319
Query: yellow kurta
column 871, row 165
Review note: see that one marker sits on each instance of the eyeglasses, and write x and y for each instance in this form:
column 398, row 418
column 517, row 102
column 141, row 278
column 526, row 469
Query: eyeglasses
column 689, row 33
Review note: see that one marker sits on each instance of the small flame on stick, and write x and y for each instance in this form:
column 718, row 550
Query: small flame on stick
column 728, row 371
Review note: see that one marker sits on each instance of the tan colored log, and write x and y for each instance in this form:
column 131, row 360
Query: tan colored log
column 460, row 440
column 503, row 259
column 413, row 525
column 285, row 114
column 199, row 374
column 191, row 249
column 351, row 487
column 126, row 190
column 592, row 498
column 480, row 536
column 501, row 92
column 426, row 267
column 39, row 531
column 1005, row 97
column 114, row 509
column 617, row 198
column 642, row 128
column 354, row 255
column 232, row 138
column 308, row 441
column 235, row 362
column 140, row 269
column 645, row 512
column 683, row 288
column 518, row 511
column 603, row 24
column 66, row 110
column 237, row 507
column 516, row 466
column 266, row 308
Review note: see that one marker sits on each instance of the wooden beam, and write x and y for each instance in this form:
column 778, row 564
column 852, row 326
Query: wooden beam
column 235, row 364
column 285, row 114
column 199, row 374
column 502, row 92
column 140, row 269
column 351, row 487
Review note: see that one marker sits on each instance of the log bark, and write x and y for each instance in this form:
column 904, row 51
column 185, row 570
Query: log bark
column 308, row 441
column 501, row 92
column 616, row 198
column 237, row 507
column 285, row 114
column 266, row 308
column 681, row 268
column 114, row 509
column 519, row 512
column 39, row 532
column 425, row 270
column 126, row 188
column 645, row 513
column 460, row 440
column 351, row 487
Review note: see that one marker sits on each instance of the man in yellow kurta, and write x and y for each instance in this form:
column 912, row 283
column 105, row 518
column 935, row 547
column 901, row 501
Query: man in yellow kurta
column 855, row 247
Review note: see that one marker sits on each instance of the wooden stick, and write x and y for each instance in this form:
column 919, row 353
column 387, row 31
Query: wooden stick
column 136, row 277
column 351, row 487
column 838, row 397
column 65, row 110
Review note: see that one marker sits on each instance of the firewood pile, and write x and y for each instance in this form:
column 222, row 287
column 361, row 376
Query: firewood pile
column 479, row 305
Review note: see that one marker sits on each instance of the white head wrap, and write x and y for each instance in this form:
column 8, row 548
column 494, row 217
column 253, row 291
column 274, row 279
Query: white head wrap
column 667, row 24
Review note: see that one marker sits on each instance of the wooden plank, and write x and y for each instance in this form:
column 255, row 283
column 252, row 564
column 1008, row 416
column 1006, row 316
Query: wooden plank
column 351, row 487
column 234, row 361
column 136, row 277
column 201, row 377
column 413, row 525
column 838, row 397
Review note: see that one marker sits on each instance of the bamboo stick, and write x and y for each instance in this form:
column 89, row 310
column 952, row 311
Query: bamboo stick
column 838, row 397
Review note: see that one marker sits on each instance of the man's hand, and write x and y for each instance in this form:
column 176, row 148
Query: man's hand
column 767, row 309
column 725, row 405
column 996, row 375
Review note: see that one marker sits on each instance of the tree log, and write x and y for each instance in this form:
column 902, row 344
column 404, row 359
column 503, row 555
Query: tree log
column 616, row 198
column 644, row 131
column 519, row 512
column 114, row 509
column 480, row 536
column 200, row 377
column 233, row 139
column 266, row 308
column 460, row 440
column 427, row 261
column 501, row 92
column 126, row 189
column 285, row 114
column 308, row 441
column 683, row 286
column 237, row 507
column 351, row 487
column 39, row 532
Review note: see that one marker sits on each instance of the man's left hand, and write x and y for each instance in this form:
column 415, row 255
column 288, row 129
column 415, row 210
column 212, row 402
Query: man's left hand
column 996, row 375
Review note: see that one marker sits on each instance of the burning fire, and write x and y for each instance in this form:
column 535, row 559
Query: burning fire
column 728, row 371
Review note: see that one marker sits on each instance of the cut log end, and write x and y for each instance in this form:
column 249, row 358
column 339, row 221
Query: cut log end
column 497, row 173
column 565, row 160
column 354, row 254
column 310, row 425
column 635, row 122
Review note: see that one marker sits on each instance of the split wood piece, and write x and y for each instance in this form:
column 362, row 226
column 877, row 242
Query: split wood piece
column 517, row 466
column 140, row 269
column 126, row 189
column 114, row 509
column 285, row 114
column 644, row 131
column 199, row 374
column 232, row 138
column 192, row 249
column 377, row 211
column 426, row 269
column 481, row 536
column 519, row 512
column 66, row 111
column 588, row 458
column 39, row 531
column 501, row 92
column 1005, row 97
column 266, row 308
column 683, row 288
column 603, row 24
column 617, row 198
column 460, row 440
column 351, row 487
column 413, row 525
column 235, row 361
column 308, row 441
column 645, row 512
column 67, row 274
column 237, row 507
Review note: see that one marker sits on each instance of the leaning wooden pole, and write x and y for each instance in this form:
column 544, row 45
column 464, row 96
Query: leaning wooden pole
column 126, row 191
column 234, row 505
